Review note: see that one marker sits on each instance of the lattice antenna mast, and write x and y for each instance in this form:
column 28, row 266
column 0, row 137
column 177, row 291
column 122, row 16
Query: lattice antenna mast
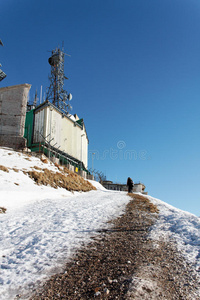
column 2, row 74
column 55, row 93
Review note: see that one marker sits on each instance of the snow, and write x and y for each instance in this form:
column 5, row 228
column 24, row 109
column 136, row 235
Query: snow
column 181, row 226
column 43, row 226
column 72, row 117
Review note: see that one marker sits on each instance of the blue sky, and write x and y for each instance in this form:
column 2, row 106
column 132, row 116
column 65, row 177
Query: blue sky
column 134, row 73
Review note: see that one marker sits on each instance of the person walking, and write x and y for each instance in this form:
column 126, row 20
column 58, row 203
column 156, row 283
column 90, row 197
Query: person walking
column 130, row 185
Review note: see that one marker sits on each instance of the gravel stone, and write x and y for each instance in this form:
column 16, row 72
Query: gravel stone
column 121, row 262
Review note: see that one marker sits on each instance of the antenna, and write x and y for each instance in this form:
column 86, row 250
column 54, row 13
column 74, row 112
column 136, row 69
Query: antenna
column 2, row 74
column 55, row 93
column 35, row 99
column 41, row 94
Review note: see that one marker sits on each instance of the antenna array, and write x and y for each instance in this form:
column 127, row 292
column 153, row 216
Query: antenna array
column 2, row 74
column 55, row 93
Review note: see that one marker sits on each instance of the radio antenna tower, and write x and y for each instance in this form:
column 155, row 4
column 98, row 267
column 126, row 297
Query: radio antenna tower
column 55, row 93
column 2, row 74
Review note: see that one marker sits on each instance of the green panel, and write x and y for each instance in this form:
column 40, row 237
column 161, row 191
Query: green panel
column 28, row 132
column 80, row 122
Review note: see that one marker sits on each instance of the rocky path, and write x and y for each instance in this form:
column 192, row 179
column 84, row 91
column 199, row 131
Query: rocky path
column 122, row 263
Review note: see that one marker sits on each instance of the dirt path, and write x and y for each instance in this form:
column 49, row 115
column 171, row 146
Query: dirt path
column 122, row 263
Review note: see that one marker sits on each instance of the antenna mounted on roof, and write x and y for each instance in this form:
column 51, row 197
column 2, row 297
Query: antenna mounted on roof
column 2, row 74
column 55, row 93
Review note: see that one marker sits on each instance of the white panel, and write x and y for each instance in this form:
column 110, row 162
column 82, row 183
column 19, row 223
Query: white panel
column 71, row 138
column 38, row 126
column 56, row 128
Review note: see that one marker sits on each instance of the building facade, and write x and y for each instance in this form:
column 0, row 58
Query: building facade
column 47, row 127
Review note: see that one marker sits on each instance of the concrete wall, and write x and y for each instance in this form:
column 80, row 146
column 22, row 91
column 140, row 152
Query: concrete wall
column 114, row 186
column 13, row 101
column 70, row 167
column 83, row 174
column 138, row 188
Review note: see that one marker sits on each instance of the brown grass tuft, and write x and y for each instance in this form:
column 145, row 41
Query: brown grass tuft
column 37, row 168
column 144, row 203
column 71, row 182
column 27, row 158
column 2, row 210
column 44, row 160
column 66, row 170
column 2, row 168
column 58, row 166
column 15, row 170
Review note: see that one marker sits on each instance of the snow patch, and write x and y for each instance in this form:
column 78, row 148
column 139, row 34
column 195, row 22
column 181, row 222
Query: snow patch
column 180, row 226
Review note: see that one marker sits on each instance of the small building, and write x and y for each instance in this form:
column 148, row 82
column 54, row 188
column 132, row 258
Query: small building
column 57, row 134
column 137, row 188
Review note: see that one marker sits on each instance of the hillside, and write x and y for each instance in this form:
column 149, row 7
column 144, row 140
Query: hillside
column 112, row 244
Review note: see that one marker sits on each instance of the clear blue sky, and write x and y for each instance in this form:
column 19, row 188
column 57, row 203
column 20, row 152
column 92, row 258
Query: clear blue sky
column 134, row 73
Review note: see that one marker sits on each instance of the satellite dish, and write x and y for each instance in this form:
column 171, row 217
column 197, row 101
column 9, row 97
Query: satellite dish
column 69, row 96
column 54, row 59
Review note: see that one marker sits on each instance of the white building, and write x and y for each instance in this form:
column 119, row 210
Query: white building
column 55, row 130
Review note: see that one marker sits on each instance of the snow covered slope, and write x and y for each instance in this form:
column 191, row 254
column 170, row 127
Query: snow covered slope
column 181, row 226
column 42, row 225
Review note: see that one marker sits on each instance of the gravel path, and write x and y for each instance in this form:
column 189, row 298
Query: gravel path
column 122, row 263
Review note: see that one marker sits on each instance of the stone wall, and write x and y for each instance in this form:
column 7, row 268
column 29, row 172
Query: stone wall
column 13, row 102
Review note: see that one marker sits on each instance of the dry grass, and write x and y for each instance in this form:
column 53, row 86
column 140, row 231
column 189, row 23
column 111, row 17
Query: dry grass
column 16, row 170
column 144, row 203
column 2, row 168
column 44, row 160
column 66, row 170
column 2, row 210
column 58, row 166
column 71, row 182
column 37, row 168
column 27, row 158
